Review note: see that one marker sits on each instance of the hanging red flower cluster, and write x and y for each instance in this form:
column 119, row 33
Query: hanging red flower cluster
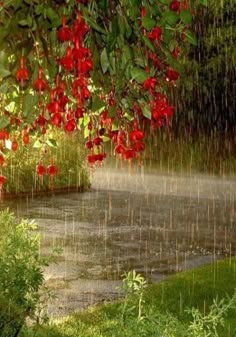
column 122, row 109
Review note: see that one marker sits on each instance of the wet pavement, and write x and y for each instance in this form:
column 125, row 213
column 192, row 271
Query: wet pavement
column 155, row 224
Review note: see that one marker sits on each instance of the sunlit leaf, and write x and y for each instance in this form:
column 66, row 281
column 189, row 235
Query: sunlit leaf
column 138, row 74
column 51, row 142
column 37, row 144
column 191, row 37
column 169, row 17
column 186, row 17
column 145, row 108
column 148, row 23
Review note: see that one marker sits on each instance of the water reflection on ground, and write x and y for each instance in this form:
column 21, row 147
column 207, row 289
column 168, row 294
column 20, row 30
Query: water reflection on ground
column 154, row 224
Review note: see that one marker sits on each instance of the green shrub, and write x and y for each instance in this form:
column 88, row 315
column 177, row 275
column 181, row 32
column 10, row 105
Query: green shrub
column 21, row 277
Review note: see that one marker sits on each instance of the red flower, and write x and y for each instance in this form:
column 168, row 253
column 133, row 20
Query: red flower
column 54, row 107
column 56, row 119
column 91, row 159
column 172, row 75
column 79, row 113
column 136, row 135
column 139, row 147
column 98, row 141
column 176, row 52
column 2, row 160
column 175, row 5
column 25, row 137
column 3, row 179
column 14, row 145
column 52, row 170
column 85, row 66
column 40, row 84
column 155, row 34
column 89, row 144
column 67, row 61
column 64, row 33
column 120, row 149
column 4, row 135
column 143, row 12
column 40, row 169
column 70, row 125
column 129, row 154
column 185, row 5
column 150, row 83
column 22, row 73
column 41, row 120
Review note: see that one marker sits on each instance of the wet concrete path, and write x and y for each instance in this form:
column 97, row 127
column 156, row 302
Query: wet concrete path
column 155, row 224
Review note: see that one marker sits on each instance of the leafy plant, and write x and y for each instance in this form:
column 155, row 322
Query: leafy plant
column 207, row 325
column 22, row 294
column 133, row 284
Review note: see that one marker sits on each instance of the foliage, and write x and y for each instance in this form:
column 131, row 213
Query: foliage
column 133, row 284
column 164, row 311
column 207, row 325
column 100, row 67
column 21, row 277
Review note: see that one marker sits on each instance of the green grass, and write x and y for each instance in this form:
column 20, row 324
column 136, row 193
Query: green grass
column 195, row 288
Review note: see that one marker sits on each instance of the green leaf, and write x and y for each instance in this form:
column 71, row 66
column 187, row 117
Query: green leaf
column 93, row 24
column 165, row 2
column 145, row 108
column 4, row 122
column 29, row 102
column 111, row 42
column 148, row 23
column 169, row 17
column 51, row 142
column 86, row 120
column 23, row 23
column 53, row 17
column 11, row 106
column 3, row 57
column 204, row 2
column 106, row 139
column 191, row 37
column 171, row 60
column 148, row 43
column 186, row 17
column 4, row 88
column 138, row 74
column 29, row 20
column 97, row 104
column 127, row 55
column 104, row 61
column 86, row 132
column 4, row 72
column 167, row 36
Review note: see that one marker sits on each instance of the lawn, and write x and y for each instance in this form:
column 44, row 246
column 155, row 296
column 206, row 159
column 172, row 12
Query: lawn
column 163, row 313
